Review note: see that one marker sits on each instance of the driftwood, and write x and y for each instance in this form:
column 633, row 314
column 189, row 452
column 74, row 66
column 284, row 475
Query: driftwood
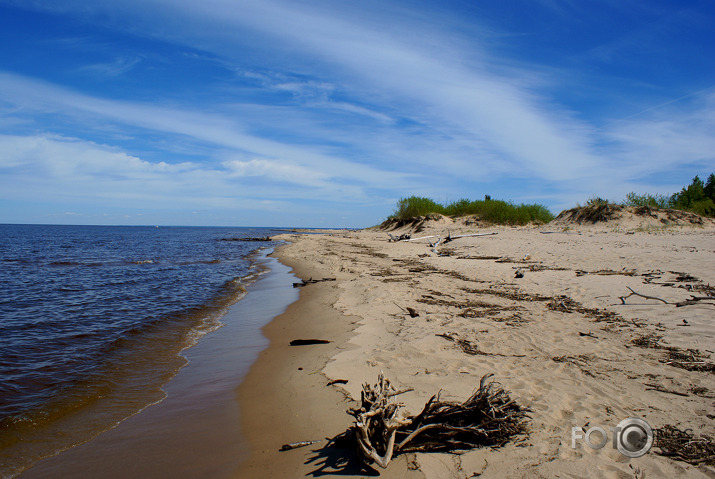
column 659, row 388
column 306, row 342
column 440, row 240
column 693, row 299
column 473, row 234
column 488, row 418
column 311, row 281
column 296, row 445
column 402, row 237
column 337, row 381
column 377, row 421
column 421, row 238
column 633, row 293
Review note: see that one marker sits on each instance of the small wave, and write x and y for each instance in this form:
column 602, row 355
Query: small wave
column 16, row 260
column 208, row 261
column 74, row 263
column 143, row 261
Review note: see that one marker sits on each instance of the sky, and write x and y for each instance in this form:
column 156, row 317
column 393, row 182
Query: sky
column 326, row 113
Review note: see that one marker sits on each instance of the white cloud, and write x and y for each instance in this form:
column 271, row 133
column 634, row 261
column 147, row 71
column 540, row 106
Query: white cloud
column 44, row 167
column 119, row 66
column 220, row 131
column 274, row 170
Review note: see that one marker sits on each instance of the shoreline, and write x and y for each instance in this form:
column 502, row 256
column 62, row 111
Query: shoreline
column 557, row 338
column 194, row 431
column 294, row 374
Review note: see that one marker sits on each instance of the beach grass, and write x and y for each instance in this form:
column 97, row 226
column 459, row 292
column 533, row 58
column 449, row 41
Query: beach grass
column 493, row 211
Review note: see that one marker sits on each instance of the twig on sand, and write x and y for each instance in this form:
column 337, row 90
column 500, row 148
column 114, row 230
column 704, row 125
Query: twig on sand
column 296, row 445
column 307, row 342
column 659, row 388
column 695, row 300
column 623, row 298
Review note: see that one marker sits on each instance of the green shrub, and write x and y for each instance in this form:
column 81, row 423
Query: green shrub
column 416, row 206
column 596, row 202
column 493, row 211
column 651, row 201
column 704, row 207
column 697, row 197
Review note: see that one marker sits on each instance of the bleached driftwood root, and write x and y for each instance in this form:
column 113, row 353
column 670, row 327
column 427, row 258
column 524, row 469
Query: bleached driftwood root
column 488, row 418
column 377, row 422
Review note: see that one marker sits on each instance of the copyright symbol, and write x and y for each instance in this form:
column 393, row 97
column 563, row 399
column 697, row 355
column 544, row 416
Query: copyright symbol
column 634, row 437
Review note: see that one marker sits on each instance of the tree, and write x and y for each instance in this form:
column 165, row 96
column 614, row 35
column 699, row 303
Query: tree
column 709, row 189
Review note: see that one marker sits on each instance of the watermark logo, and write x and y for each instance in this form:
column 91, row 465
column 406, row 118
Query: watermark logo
column 632, row 437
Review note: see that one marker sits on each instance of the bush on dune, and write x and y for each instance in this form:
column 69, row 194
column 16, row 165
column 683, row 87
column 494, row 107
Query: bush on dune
column 698, row 197
column 493, row 211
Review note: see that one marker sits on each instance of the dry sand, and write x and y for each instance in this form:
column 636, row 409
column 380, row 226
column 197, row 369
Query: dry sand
column 558, row 338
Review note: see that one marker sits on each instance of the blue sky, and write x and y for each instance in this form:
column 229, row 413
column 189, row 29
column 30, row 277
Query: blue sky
column 325, row 113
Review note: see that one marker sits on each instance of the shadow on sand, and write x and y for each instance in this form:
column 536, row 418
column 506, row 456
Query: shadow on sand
column 336, row 458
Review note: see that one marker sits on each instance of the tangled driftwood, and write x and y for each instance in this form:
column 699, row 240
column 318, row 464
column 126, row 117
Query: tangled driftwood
column 488, row 418
column 440, row 240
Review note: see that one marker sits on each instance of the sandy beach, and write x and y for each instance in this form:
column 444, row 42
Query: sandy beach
column 557, row 336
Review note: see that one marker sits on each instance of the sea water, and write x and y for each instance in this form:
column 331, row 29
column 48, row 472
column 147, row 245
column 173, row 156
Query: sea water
column 93, row 320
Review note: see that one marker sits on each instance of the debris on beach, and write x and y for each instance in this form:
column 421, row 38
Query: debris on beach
column 489, row 418
column 402, row 237
column 688, row 359
column 337, row 381
column 685, row 446
column 307, row 342
column 296, row 445
column 311, row 281
column 411, row 311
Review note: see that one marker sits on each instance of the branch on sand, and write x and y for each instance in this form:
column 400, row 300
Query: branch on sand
column 381, row 429
column 633, row 293
column 440, row 240
column 693, row 299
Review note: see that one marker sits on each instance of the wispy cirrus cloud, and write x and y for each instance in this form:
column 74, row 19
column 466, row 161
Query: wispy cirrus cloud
column 119, row 66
